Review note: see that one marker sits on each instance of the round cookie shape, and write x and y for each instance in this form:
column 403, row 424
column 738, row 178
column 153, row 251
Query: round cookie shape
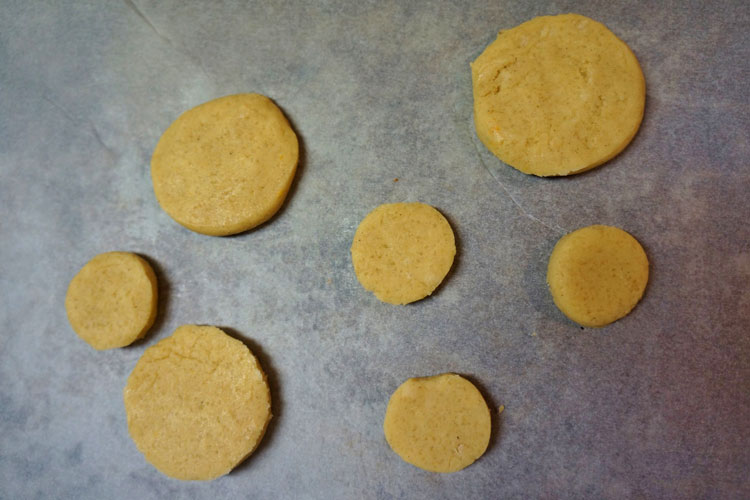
column 225, row 166
column 597, row 274
column 197, row 403
column 440, row 423
column 402, row 251
column 557, row 95
column 112, row 300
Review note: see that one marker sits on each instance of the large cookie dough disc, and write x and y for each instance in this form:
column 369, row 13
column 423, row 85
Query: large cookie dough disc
column 112, row 300
column 597, row 274
column 197, row 403
column 439, row 423
column 402, row 251
column 225, row 166
column 557, row 95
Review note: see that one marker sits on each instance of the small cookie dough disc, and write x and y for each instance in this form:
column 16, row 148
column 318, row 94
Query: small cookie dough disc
column 440, row 423
column 557, row 95
column 111, row 302
column 225, row 166
column 402, row 251
column 197, row 403
column 597, row 274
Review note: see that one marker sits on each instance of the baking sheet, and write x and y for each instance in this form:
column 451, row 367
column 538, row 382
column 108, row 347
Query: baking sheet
column 656, row 405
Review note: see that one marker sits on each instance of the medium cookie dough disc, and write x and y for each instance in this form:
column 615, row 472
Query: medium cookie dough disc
column 197, row 403
column 402, row 251
column 439, row 423
column 597, row 274
column 557, row 95
column 111, row 302
column 225, row 166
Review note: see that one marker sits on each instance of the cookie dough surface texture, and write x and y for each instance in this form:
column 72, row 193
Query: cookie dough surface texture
column 225, row 166
column 112, row 300
column 597, row 274
column 402, row 251
column 439, row 423
column 557, row 95
column 197, row 403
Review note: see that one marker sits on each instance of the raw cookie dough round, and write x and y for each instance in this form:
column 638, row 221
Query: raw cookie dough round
column 111, row 302
column 439, row 423
column 557, row 95
column 402, row 251
column 597, row 274
column 197, row 403
column 225, row 166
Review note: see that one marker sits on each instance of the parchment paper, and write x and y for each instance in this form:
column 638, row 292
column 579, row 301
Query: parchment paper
column 656, row 405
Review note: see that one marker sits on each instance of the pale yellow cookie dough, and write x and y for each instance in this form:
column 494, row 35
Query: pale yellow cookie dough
column 597, row 274
column 225, row 166
column 440, row 423
column 557, row 95
column 197, row 403
column 402, row 251
column 111, row 302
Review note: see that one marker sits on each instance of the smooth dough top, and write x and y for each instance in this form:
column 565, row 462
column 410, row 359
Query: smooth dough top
column 557, row 95
column 597, row 274
column 225, row 166
column 402, row 251
column 439, row 423
column 197, row 403
column 112, row 300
